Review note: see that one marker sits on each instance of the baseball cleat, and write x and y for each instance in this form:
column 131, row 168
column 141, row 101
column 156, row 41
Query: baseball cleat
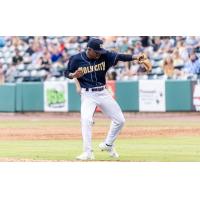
column 110, row 149
column 86, row 156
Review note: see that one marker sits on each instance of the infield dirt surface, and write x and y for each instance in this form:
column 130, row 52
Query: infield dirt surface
column 47, row 126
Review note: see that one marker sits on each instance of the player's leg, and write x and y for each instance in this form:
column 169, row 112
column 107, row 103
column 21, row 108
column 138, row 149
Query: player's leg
column 110, row 107
column 114, row 112
column 88, row 107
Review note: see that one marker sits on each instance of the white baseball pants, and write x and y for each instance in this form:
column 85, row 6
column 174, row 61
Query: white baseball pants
column 103, row 99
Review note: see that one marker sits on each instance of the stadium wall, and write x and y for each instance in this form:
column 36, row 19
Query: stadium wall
column 179, row 95
column 7, row 98
column 133, row 96
column 127, row 95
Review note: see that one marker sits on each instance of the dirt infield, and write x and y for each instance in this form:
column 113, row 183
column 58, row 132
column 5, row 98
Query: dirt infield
column 63, row 131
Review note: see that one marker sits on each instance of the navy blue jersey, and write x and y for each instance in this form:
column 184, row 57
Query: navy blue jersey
column 94, row 70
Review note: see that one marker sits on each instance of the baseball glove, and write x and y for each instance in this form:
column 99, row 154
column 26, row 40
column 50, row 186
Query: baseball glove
column 145, row 63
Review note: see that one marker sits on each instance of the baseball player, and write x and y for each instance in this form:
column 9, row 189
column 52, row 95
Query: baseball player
column 89, row 68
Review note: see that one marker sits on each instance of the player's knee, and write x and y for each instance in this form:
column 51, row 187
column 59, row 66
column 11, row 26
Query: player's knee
column 121, row 121
column 87, row 120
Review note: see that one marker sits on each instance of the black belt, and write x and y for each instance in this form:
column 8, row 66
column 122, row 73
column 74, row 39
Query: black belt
column 95, row 89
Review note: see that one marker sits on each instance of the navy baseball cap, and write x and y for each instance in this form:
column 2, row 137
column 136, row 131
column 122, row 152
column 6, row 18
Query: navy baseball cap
column 96, row 45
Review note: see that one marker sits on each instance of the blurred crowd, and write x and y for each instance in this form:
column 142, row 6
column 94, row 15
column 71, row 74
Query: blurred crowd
column 31, row 58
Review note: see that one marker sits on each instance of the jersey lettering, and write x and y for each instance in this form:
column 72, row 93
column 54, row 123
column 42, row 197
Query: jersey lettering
column 92, row 68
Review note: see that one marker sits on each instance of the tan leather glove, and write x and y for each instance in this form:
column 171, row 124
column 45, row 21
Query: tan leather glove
column 144, row 62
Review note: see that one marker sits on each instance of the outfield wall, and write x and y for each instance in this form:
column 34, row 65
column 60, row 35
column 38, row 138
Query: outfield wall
column 136, row 96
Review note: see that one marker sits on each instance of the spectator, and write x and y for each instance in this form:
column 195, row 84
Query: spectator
column 168, row 66
column 182, row 50
column 192, row 42
column 16, row 41
column 145, row 41
column 156, row 43
column 167, row 45
column 128, row 72
column 55, row 54
column 11, row 73
column 178, row 61
column 17, row 59
column 124, row 46
column 31, row 49
column 65, row 58
column 38, row 53
column 83, row 39
column 111, row 76
column 193, row 65
column 46, row 60
column 138, row 48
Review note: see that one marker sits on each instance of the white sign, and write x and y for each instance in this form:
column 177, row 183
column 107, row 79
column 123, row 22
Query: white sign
column 196, row 97
column 152, row 95
column 56, row 96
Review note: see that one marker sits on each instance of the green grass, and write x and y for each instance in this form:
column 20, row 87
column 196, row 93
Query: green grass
column 99, row 122
column 139, row 149
column 179, row 148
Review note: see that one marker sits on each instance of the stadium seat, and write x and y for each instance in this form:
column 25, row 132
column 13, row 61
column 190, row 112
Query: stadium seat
column 179, row 67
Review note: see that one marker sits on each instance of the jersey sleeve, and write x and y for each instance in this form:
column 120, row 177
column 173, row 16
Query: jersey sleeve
column 114, row 57
column 71, row 67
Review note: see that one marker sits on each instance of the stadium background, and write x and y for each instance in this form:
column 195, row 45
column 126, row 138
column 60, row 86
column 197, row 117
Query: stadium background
column 32, row 81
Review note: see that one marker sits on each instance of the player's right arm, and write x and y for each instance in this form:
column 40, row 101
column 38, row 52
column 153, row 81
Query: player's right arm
column 72, row 71
column 77, row 74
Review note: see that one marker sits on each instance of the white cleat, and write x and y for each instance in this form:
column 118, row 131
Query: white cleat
column 110, row 149
column 86, row 156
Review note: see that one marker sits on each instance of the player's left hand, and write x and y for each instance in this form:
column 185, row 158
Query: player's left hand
column 144, row 62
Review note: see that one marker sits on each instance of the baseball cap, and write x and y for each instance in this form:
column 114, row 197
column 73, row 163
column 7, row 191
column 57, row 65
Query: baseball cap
column 96, row 45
